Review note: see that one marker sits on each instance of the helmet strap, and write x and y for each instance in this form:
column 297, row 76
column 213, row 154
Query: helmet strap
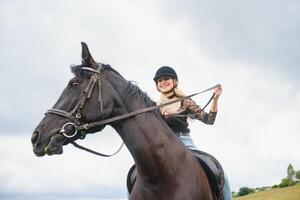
column 169, row 94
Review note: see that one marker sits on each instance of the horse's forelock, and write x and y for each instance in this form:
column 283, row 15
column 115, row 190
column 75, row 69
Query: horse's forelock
column 76, row 70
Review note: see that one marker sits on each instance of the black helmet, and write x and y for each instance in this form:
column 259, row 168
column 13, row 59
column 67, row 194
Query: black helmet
column 165, row 71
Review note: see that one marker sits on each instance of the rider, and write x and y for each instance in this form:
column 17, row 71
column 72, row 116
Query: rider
column 176, row 115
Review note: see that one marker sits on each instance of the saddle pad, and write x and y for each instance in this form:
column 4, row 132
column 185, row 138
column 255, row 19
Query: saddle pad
column 131, row 178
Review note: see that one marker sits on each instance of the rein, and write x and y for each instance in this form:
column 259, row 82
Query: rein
column 75, row 114
column 143, row 110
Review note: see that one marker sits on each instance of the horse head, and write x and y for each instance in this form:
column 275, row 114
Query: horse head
column 85, row 99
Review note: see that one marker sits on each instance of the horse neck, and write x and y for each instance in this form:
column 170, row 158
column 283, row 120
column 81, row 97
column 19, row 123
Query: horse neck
column 152, row 144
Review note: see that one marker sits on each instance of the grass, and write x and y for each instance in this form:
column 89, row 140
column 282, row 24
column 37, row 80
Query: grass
column 288, row 193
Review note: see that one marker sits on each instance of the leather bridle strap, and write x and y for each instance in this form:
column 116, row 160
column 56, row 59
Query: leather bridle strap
column 192, row 115
column 95, row 152
column 137, row 112
column 62, row 113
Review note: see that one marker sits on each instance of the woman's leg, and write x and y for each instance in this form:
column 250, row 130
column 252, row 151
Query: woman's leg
column 226, row 189
column 188, row 141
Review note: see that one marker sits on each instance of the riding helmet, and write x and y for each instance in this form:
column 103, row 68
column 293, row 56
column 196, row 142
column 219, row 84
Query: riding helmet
column 165, row 71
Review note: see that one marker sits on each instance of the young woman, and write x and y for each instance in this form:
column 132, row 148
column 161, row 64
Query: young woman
column 176, row 115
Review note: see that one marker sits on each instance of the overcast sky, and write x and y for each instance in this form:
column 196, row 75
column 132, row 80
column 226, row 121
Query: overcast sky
column 251, row 47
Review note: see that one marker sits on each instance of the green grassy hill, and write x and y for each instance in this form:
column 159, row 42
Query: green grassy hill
column 288, row 193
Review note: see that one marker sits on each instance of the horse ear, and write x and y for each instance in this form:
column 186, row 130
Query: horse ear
column 86, row 57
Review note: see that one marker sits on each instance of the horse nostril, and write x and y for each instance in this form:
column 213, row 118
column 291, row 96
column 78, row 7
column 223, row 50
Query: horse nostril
column 34, row 137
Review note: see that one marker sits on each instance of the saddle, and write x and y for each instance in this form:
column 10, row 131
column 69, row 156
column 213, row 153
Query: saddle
column 211, row 166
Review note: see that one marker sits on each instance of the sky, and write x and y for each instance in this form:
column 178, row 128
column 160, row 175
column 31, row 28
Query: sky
column 251, row 47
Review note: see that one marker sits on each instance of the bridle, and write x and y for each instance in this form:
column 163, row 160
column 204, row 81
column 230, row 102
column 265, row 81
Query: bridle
column 75, row 114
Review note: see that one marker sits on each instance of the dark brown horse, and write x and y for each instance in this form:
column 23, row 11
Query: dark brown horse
column 166, row 169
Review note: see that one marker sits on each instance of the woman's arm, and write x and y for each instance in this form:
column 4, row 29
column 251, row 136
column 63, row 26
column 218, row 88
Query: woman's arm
column 198, row 113
column 217, row 92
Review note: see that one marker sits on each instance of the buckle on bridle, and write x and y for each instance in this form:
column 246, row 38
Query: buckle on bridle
column 63, row 131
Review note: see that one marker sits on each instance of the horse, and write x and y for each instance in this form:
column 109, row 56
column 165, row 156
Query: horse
column 166, row 169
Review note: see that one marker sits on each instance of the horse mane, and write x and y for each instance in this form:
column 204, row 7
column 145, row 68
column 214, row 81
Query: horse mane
column 133, row 90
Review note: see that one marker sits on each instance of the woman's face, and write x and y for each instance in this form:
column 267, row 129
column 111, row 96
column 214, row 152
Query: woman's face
column 165, row 84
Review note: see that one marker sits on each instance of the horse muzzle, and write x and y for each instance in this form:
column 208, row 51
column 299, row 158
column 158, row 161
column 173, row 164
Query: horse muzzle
column 52, row 146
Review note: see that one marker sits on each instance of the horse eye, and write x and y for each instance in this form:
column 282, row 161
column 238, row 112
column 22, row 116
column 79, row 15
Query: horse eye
column 74, row 83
